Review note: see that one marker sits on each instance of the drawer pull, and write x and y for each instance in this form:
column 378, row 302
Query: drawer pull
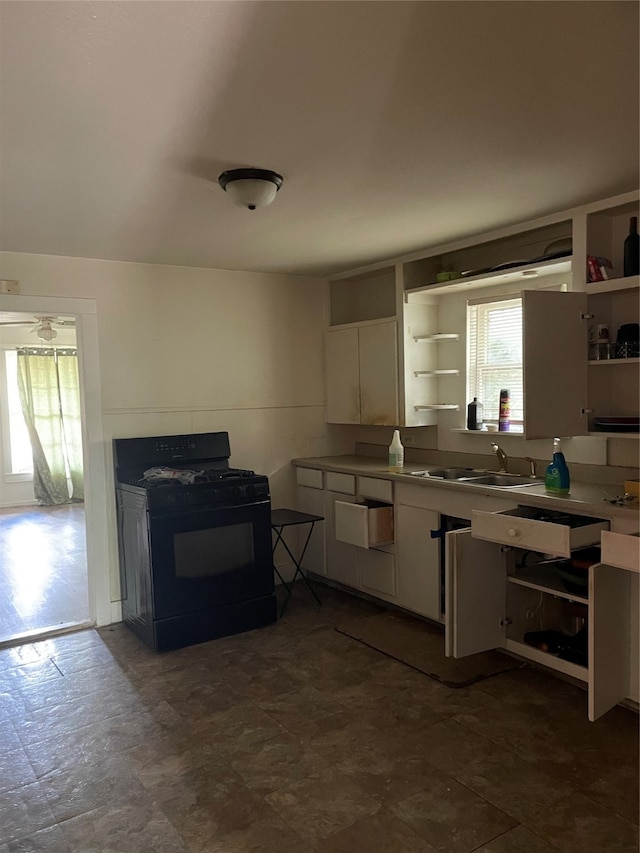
column 513, row 531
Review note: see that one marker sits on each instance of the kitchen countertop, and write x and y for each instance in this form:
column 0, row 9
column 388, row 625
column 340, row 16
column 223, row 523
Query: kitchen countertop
column 585, row 498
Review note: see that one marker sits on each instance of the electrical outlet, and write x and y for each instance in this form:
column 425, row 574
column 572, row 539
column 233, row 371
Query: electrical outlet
column 408, row 440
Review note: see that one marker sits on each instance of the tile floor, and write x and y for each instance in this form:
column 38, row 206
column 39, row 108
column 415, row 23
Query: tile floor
column 298, row 739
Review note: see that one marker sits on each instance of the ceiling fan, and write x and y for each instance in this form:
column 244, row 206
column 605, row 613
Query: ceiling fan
column 41, row 325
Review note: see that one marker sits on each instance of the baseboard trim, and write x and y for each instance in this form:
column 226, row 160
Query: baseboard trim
column 45, row 634
column 116, row 612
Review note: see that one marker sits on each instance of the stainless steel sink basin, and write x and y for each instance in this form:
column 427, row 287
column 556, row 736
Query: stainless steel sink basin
column 504, row 481
column 448, row 473
column 477, row 478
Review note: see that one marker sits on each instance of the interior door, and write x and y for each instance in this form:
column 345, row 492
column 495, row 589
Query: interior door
column 609, row 638
column 476, row 594
column 554, row 354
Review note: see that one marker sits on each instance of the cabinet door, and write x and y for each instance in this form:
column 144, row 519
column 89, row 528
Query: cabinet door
column 311, row 500
column 377, row 570
column 476, row 589
column 554, row 355
column 378, row 350
column 341, row 558
column 418, row 560
column 343, row 377
column 609, row 638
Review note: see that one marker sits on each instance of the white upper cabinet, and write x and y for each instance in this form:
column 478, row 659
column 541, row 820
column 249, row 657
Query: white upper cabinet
column 342, row 363
column 362, row 374
column 554, row 364
column 362, row 350
column 378, row 352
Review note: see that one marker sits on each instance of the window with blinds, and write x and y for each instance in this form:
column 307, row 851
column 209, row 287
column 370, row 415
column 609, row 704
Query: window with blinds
column 494, row 355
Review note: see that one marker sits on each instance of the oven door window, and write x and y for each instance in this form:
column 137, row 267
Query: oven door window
column 232, row 546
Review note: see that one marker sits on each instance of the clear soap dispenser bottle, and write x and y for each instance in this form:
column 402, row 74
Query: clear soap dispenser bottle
column 396, row 452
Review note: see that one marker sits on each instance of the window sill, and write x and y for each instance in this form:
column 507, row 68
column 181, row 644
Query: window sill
column 515, row 430
column 19, row 478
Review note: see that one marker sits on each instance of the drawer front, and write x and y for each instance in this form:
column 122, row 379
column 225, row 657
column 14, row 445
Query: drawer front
column 363, row 525
column 378, row 572
column 344, row 483
column 621, row 549
column 517, row 528
column 352, row 523
column 310, row 477
column 379, row 490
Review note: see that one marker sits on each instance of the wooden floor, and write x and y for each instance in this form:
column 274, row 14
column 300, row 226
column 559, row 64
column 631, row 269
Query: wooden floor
column 43, row 569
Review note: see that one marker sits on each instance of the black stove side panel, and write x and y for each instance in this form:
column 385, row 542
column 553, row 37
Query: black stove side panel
column 170, row 449
column 135, row 565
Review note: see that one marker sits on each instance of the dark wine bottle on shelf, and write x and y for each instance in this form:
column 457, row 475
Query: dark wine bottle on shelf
column 632, row 249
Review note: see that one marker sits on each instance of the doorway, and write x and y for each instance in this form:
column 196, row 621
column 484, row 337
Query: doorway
column 79, row 530
column 43, row 565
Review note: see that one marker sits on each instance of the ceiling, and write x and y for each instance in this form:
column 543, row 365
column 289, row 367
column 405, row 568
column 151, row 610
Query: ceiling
column 396, row 125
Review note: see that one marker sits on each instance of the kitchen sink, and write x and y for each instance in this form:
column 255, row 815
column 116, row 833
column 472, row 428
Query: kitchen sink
column 477, row 478
column 504, row 481
column 448, row 473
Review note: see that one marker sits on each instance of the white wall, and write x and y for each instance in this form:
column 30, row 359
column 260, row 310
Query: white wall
column 191, row 350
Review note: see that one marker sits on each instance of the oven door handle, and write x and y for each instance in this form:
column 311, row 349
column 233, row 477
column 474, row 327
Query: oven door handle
column 190, row 510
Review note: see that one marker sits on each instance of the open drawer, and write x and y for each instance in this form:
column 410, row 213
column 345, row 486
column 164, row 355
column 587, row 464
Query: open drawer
column 547, row 531
column 366, row 524
column 622, row 550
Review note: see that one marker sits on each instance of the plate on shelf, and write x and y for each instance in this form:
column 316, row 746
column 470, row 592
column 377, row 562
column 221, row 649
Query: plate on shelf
column 467, row 273
column 553, row 256
column 618, row 424
column 509, row 265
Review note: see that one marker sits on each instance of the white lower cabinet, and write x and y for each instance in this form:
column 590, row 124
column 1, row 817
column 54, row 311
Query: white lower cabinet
column 515, row 597
column 418, row 560
column 377, row 572
column 622, row 550
column 360, row 536
column 341, row 557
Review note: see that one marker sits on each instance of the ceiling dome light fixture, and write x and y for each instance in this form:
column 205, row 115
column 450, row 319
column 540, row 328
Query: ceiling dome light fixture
column 251, row 188
column 45, row 332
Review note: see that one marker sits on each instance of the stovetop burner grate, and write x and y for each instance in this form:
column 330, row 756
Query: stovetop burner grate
column 211, row 475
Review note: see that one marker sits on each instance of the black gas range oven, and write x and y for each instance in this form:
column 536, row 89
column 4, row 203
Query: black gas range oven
column 194, row 538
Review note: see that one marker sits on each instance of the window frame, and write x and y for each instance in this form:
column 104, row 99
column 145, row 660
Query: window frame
column 8, row 474
column 473, row 372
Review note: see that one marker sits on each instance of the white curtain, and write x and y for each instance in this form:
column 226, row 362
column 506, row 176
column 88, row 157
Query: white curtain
column 50, row 397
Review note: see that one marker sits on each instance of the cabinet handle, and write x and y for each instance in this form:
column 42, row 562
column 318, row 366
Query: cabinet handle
column 513, row 531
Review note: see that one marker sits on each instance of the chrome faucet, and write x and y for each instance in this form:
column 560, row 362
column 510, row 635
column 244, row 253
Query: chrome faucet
column 532, row 463
column 502, row 457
